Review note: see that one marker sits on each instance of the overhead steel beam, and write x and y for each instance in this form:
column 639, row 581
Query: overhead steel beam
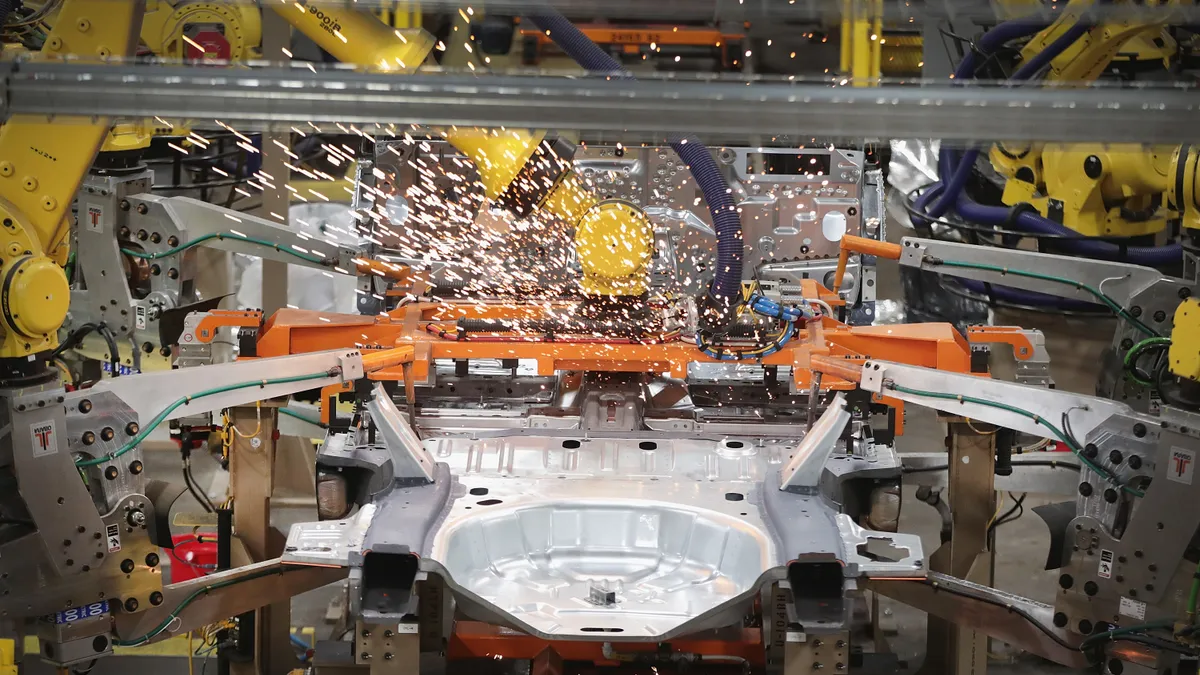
column 764, row 12
column 647, row 109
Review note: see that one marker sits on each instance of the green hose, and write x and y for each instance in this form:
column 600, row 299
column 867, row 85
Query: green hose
column 184, row 400
column 224, row 235
column 154, row 632
column 1037, row 419
column 1099, row 295
column 1135, row 352
column 1117, row 632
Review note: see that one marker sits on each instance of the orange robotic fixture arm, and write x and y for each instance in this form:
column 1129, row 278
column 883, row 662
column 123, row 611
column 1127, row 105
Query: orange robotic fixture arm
column 852, row 244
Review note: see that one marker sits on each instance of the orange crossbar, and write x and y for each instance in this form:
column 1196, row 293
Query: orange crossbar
column 476, row 640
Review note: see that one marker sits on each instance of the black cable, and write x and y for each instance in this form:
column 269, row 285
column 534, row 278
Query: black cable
column 1166, row 392
column 1005, row 606
column 1156, row 642
column 194, row 488
column 16, row 521
column 1052, row 463
column 1018, row 508
column 113, row 352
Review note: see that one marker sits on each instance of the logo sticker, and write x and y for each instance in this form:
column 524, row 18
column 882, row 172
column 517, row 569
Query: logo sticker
column 43, row 437
column 1106, row 560
column 1182, row 465
column 95, row 218
column 114, row 538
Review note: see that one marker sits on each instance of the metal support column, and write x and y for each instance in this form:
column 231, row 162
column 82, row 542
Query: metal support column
column 252, row 479
column 972, row 455
column 277, row 36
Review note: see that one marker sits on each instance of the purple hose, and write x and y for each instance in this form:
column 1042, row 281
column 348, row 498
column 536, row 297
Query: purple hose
column 727, row 279
column 1151, row 256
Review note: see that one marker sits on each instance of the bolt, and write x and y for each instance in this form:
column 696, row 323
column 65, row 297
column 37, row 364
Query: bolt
column 365, row 656
column 1092, row 167
column 131, row 605
column 131, row 428
column 366, row 633
column 1110, row 496
column 1136, row 310
column 388, row 656
column 66, row 542
column 1090, row 451
column 1135, row 462
column 156, row 598
column 817, row 642
column 85, row 406
column 1060, row 619
column 1153, row 567
column 1126, row 344
column 1149, row 587
column 1091, row 588
column 138, row 519
column 124, row 204
column 111, row 473
column 388, row 633
column 135, row 467
column 107, row 433
column 841, row 644
column 89, row 437
column 142, row 209
column 127, row 566
column 142, row 235
column 1066, row 581
column 1185, row 293
column 1138, row 553
column 1160, row 316
column 1121, row 559
column 1085, row 489
column 1120, row 578
column 1115, row 457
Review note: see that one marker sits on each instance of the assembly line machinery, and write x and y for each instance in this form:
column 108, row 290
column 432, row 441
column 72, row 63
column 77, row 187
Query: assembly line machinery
column 617, row 401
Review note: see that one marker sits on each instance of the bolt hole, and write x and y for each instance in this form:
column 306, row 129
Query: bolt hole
column 489, row 502
column 648, row 445
column 570, row 444
column 479, row 492
column 734, row 496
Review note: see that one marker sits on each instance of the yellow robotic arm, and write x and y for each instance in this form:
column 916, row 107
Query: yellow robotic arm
column 521, row 170
column 1097, row 189
column 42, row 164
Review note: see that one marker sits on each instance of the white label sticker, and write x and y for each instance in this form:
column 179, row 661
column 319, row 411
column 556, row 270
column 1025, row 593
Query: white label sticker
column 95, row 218
column 43, row 437
column 1106, row 560
column 1133, row 609
column 1182, row 465
column 139, row 317
column 114, row 538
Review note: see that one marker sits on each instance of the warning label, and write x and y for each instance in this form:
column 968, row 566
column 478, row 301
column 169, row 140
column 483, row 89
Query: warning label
column 139, row 317
column 1106, row 561
column 1133, row 609
column 1182, row 465
column 43, row 437
column 114, row 538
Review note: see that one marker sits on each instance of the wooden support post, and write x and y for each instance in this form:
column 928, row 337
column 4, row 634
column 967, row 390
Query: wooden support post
column 972, row 498
column 251, row 480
